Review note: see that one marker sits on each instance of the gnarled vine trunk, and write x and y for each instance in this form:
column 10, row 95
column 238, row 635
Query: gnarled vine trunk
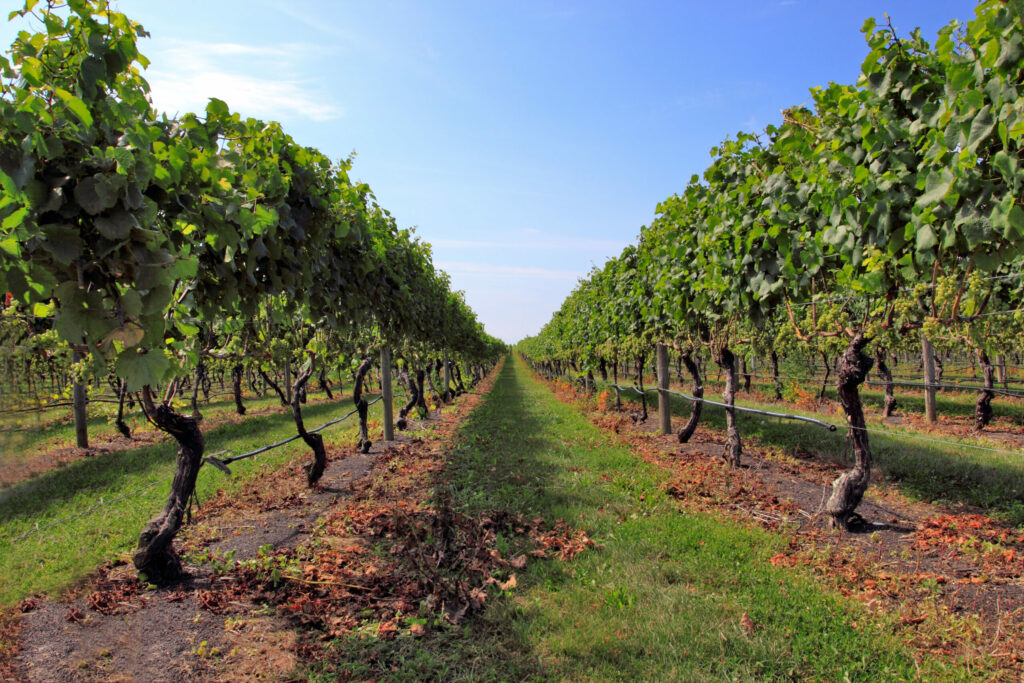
column 828, row 373
column 775, row 376
column 273, row 385
column 456, row 372
column 422, row 400
column 430, row 382
column 197, row 383
column 119, row 422
column 697, row 389
column 615, row 380
column 237, row 372
column 362, row 407
column 733, row 445
column 983, row 406
column 155, row 556
column 640, row 362
column 414, row 398
column 889, row 404
column 849, row 488
column 602, row 367
column 315, row 469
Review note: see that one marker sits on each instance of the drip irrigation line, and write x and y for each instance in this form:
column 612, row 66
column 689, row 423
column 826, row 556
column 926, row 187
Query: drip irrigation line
column 832, row 427
column 49, row 406
column 211, row 459
column 222, row 464
column 880, row 381
column 784, row 416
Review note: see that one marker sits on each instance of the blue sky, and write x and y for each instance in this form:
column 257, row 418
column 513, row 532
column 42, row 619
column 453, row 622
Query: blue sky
column 527, row 141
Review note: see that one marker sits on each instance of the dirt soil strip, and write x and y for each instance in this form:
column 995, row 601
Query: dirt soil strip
column 952, row 577
column 113, row 629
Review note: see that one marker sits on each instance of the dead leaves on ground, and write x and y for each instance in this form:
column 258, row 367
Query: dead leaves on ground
column 391, row 557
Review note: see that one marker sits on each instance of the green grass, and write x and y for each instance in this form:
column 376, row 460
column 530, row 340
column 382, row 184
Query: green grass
column 662, row 600
column 57, row 557
column 25, row 435
column 944, row 473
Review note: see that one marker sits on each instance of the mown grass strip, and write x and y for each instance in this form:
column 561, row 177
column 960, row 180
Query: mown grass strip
column 665, row 597
column 59, row 556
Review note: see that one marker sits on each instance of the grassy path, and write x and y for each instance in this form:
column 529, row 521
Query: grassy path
column 669, row 596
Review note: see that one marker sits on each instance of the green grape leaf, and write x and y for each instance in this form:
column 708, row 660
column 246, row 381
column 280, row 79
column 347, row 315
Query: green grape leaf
column 926, row 239
column 141, row 368
column 116, row 226
column 97, row 193
column 76, row 106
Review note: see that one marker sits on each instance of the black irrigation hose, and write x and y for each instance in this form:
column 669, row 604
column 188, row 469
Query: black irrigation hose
column 785, row 416
column 211, row 459
column 39, row 409
column 831, row 427
column 883, row 382
column 222, row 464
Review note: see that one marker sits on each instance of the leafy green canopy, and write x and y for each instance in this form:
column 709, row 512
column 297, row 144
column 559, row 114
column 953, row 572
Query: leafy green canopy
column 891, row 205
column 134, row 230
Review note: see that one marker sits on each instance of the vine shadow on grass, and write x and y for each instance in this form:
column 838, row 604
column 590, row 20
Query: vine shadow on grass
column 106, row 474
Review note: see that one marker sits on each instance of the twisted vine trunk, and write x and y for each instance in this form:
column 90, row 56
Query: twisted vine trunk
column 362, row 407
column 421, row 401
column 155, row 556
column 775, row 376
column 254, row 386
column 733, row 445
column 414, row 399
column 273, row 385
column 848, row 490
column 828, row 373
column 430, row 382
column 640, row 362
column 602, row 367
column 237, row 372
column 196, row 385
column 983, row 406
column 615, row 380
column 325, row 384
column 122, row 391
column 883, row 369
column 697, row 389
column 460, row 388
column 315, row 469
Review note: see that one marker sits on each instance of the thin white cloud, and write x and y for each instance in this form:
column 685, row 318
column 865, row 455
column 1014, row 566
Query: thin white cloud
column 611, row 247
column 474, row 269
column 185, row 74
